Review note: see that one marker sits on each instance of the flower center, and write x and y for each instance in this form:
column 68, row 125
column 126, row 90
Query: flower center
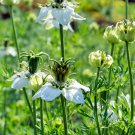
column 60, row 72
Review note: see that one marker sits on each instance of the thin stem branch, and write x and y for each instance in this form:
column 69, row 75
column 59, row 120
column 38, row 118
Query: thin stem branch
column 34, row 114
column 95, row 102
column 27, row 100
column 41, row 117
column 15, row 34
column 64, row 114
column 131, row 82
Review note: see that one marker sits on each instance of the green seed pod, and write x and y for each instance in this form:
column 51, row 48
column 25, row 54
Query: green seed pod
column 33, row 64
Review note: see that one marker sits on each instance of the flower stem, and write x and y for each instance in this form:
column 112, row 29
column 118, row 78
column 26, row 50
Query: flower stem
column 27, row 100
column 64, row 114
column 62, row 98
column 62, row 43
column 34, row 114
column 41, row 117
column 5, row 115
column 95, row 102
column 15, row 34
column 126, row 9
column 131, row 82
column 107, row 93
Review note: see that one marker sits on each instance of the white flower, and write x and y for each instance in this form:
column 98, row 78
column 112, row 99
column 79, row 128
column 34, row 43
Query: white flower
column 24, row 78
column 72, row 92
column 20, row 80
column 5, row 51
column 56, row 14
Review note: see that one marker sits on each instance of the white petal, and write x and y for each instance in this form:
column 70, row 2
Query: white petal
column 70, row 28
column 43, row 12
column 77, row 85
column 49, row 92
column 77, row 16
column 20, row 83
column 39, row 92
column 11, row 51
column 74, row 95
column 48, row 23
column 62, row 15
column 56, row 24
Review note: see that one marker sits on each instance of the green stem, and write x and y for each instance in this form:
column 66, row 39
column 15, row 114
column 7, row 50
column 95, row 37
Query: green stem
column 63, row 102
column 64, row 114
column 41, row 117
column 95, row 102
column 15, row 34
column 131, row 82
column 34, row 114
column 27, row 100
column 46, row 110
column 62, row 43
column 126, row 9
column 5, row 115
column 107, row 93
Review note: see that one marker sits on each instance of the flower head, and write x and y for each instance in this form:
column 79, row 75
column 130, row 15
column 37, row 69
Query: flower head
column 100, row 59
column 110, row 35
column 126, row 30
column 72, row 90
column 58, row 13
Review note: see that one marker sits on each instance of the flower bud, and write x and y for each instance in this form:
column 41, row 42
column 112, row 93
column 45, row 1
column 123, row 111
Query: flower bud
column 108, row 61
column 126, row 30
column 9, row 2
column 99, row 59
column 110, row 35
column 36, row 81
column 96, row 58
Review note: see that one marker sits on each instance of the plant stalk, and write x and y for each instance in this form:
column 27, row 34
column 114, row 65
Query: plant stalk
column 63, row 102
column 62, row 43
column 126, row 9
column 131, row 82
column 107, row 93
column 64, row 114
column 15, row 35
column 27, row 100
column 34, row 114
column 95, row 102
column 5, row 115
column 41, row 117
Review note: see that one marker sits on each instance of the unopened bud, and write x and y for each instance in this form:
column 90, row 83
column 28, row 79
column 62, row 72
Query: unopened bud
column 110, row 35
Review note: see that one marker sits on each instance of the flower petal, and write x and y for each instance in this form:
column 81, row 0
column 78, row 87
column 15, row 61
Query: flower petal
column 49, row 92
column 62, row 15
column 43, row 12
column 77, row 16
column 77, row 85
column 74, row 95
column 70, row 28
column 20, row 83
